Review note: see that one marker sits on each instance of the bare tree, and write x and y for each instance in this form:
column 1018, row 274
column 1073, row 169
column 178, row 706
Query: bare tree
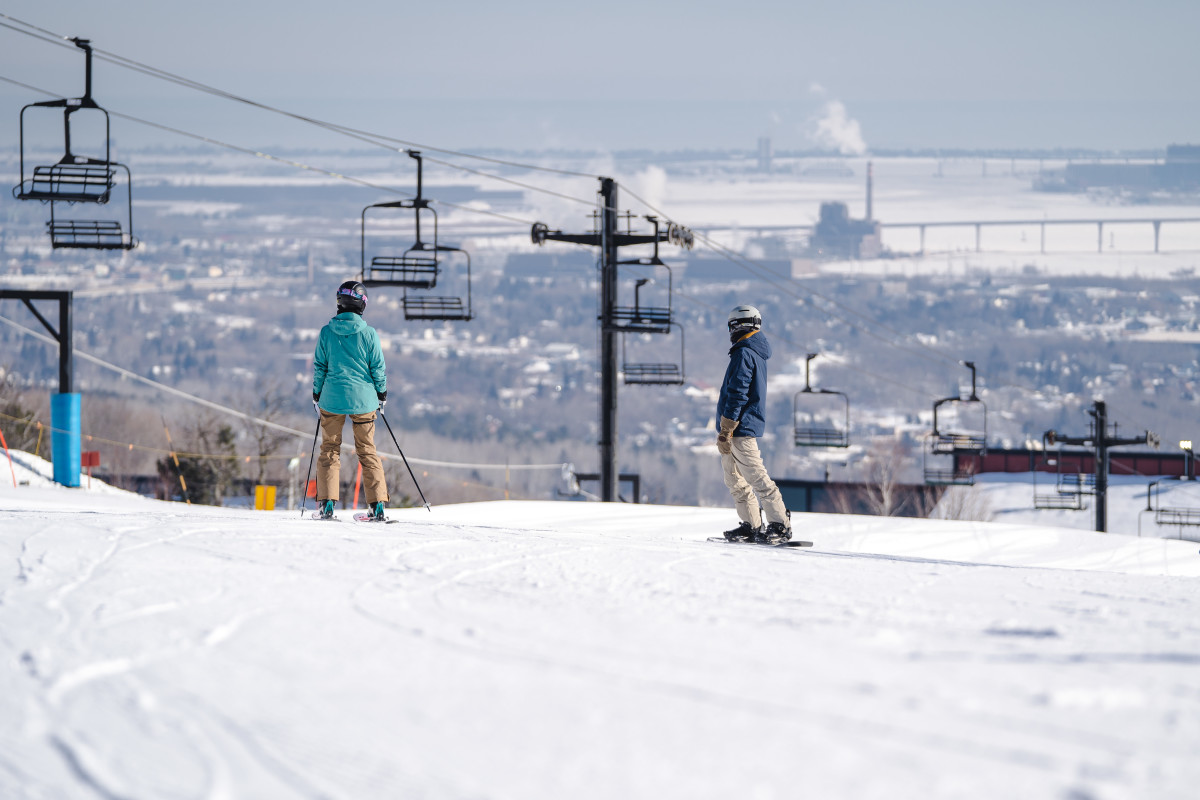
column 18, row 416
column 842, row 499
column 209, row 464
column 883, row 467
column 963, row 503
column 120, row 433
column 268, row 441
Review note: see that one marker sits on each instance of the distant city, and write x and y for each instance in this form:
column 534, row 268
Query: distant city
column 236, row 256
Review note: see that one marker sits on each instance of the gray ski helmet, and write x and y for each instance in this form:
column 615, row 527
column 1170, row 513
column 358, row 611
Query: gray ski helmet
column 745, row 318
column 352, row 296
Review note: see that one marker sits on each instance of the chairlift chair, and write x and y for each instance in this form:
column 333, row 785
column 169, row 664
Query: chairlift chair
column 820, row 417
column 968, row 439
column 421, row 306
column 640, row 318
column 93, row 234
column 415, row 268
column 418, row 267
column 1061, row 498
column 653, row 373
column 74, row 178
column 936, row 475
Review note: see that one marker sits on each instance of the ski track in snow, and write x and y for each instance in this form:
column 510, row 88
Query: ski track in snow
column 576, row 650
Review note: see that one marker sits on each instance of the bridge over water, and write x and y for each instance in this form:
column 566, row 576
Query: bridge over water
column 1156, row 224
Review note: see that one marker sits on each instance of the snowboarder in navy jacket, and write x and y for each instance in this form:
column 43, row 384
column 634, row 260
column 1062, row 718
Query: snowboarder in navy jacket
column 741, row 419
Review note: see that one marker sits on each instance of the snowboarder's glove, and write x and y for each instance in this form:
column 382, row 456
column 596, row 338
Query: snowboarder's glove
column 316, row 407
column 724, row 443
column 382, row 400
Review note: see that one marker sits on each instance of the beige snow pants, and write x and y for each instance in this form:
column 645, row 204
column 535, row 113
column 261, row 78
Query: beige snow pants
column 748, row 482
column 329, row 463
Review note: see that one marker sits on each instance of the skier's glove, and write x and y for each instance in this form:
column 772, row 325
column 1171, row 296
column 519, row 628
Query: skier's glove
column 724, row 438
column 316, row 407
column 382, row 400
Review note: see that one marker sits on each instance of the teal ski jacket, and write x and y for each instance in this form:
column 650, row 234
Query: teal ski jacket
column 348, row 371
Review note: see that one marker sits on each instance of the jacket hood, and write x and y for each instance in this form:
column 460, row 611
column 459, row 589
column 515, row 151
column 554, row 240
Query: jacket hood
column 347, row 324
column 757, row 342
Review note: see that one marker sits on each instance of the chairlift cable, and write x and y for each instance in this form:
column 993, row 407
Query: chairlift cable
column 378, row 139
column 31, row 26
column 729, row 254
column 320, row 170
column 281, row 160
column 162, row 387
column 509, row 181
column 51, row 37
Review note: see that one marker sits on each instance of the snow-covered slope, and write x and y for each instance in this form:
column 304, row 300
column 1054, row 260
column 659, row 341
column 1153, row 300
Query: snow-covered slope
column 555, row 650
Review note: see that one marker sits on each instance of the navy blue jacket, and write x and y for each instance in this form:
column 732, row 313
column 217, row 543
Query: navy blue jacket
column 744, row 390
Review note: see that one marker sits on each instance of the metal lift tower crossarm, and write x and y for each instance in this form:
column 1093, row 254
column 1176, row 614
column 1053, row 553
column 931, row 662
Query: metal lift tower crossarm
column 1101, row 441
column 609, row 239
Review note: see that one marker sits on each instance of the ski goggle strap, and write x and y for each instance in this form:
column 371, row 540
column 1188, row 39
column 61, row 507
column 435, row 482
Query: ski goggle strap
column 348, row 292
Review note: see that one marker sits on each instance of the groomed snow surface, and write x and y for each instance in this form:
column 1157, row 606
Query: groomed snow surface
column 581, row 650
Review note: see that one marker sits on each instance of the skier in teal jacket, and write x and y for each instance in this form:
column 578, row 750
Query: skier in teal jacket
column 349, row 379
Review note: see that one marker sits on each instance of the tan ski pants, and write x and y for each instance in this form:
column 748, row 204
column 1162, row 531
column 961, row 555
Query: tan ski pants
column 329, row 463
column 748, row 482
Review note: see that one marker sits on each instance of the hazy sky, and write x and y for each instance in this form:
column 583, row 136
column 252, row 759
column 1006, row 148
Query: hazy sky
column 617, row 75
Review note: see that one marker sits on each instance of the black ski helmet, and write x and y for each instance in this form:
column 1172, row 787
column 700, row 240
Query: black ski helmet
column 352, row 296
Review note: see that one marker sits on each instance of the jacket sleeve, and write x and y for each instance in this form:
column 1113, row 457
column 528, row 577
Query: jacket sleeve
column 737, row 384
column 377, row 366
column 320, row 364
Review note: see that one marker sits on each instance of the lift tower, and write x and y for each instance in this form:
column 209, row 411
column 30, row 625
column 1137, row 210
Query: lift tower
column 614, row 320
column 1100, row 439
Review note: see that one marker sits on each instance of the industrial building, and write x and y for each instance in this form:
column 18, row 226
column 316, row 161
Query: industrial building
column 1178, row 172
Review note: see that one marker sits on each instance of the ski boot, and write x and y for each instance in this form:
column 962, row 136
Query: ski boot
column 774, row 533
column 742, row 533
column 376, row 512
column 326, row 510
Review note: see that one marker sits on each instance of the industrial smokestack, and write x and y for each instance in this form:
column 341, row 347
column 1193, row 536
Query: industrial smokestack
column 870, row 181
column 764, row 154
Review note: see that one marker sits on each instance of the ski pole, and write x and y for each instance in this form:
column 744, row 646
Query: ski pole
column 410, row 472
column 304, row 497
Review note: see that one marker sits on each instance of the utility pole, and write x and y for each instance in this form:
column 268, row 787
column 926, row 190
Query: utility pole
column 1101, row 441
column 612, row 321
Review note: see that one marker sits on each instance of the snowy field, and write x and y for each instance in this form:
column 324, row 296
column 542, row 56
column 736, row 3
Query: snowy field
column 579, row 650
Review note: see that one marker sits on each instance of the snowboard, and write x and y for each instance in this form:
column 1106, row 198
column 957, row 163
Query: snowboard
column 788, row 543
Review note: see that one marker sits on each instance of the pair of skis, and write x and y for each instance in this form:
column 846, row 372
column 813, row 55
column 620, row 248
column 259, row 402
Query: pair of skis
column 359, row 516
